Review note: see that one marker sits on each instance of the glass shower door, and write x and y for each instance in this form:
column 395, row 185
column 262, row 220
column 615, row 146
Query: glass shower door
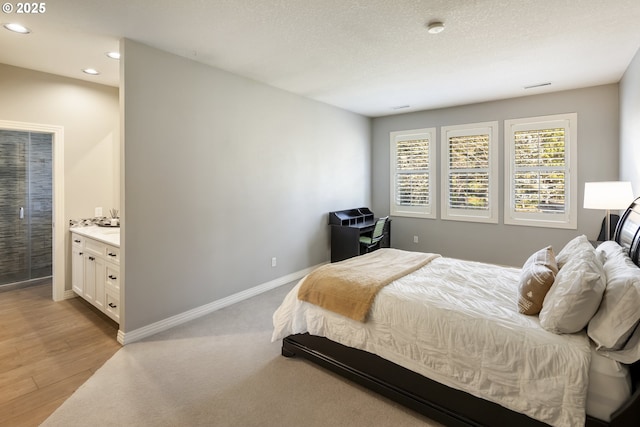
column 25, row 206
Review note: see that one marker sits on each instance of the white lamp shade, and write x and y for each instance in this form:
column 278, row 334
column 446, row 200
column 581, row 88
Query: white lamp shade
column 609, row 195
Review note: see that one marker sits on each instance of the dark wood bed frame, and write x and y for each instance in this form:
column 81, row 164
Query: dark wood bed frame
column 441, row 403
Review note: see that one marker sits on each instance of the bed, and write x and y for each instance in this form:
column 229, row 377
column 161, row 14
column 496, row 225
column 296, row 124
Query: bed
column 449, row 394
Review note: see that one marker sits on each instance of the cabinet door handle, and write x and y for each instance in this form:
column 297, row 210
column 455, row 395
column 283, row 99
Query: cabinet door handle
column 111, row 254
column 112, row 305
column 112, row 277
column 91, row 258
column 77, row 241
column 80, row 253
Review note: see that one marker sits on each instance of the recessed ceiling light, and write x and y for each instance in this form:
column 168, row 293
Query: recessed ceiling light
column 113, row 55
column 435, row 27
column 17, row 28
column 91, row 71
column 400, row 107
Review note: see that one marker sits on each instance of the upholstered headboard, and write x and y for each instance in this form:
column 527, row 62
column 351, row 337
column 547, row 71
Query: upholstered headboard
column 628, row 231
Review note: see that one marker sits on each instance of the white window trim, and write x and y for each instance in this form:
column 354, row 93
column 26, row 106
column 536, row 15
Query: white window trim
column 429, row 210
column 456, row 214
column 569, row 219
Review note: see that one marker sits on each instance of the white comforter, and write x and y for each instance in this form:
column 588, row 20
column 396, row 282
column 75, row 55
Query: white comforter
column 457, row 322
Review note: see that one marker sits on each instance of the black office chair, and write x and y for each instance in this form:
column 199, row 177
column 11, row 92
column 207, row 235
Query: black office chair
column 373, row 242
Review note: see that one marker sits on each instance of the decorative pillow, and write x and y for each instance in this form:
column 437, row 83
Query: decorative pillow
column 575, row 295
column 576, row 247
column 619, row 312
column 536, row 277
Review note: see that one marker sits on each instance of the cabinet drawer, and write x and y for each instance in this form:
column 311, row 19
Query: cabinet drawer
column 108, row 252
column 113, row 278
column 112, row 306
column 95, row 247
column 77, row 240
column 112, row 254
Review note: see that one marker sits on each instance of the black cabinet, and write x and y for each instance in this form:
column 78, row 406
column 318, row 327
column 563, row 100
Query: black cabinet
column 346, row 228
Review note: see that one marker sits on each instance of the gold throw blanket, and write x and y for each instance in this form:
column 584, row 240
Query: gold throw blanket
column 349, row 287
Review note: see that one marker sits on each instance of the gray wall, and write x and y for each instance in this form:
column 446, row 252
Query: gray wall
column 598, row 155
column 221, row 174
column 630, row 125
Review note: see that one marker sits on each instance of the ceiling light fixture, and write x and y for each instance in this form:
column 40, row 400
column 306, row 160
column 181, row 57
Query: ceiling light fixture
column 17, row 28
column 91, row 71
column 400, row 107
column 435, row 27
column 113, row 55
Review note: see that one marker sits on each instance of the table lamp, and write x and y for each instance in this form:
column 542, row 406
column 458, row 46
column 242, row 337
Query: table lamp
column 607, row 195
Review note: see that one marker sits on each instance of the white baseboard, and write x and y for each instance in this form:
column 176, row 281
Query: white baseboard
column 162, row 325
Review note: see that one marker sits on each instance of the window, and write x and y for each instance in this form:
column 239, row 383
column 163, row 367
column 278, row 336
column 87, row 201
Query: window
column 470, row 172
column 412, row 173
column 540, row 171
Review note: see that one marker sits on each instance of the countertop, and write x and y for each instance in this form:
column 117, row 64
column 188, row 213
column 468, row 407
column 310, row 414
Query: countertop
column 108, row 235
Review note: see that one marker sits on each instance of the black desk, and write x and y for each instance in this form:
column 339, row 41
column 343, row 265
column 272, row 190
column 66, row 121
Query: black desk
column 347, row 227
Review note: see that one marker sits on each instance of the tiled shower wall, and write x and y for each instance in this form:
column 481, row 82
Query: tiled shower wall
column 41, row 203
column 25, row 181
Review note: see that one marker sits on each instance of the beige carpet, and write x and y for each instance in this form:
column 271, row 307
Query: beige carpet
column 222, row 370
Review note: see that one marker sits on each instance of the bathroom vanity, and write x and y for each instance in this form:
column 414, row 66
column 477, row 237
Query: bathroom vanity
column 95, row 267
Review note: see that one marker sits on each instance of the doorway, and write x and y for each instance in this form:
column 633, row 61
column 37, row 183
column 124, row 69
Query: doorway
column 31, row 177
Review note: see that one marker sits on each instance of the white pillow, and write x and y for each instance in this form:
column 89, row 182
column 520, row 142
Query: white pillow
column 619, row 312
column 576, row 247
column 610, row 249
column 575, row 295
column 630, row 353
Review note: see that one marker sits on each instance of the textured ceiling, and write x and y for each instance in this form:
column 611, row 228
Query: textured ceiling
column 366, row 56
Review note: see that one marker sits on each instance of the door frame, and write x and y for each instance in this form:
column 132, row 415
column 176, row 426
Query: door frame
column 58, row 252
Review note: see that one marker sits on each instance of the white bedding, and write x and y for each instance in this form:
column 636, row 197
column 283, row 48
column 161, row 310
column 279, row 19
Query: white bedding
column 457, row 322
column 609, row 385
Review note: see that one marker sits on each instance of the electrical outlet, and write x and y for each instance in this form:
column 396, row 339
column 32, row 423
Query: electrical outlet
column 97, row 212
column 274, row 262
column 415, row 239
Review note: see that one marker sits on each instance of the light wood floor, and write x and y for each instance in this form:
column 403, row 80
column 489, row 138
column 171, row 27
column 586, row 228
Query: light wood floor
column 47, row 350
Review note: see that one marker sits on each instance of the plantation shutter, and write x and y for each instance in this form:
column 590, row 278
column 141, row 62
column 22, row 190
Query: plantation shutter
column 412, row 181
column 541, row 182
column 539, row 171
column 469, row 172
column 412, row 172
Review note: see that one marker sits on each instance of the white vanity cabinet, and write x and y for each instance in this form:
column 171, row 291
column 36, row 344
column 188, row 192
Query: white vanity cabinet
column 95, row 269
